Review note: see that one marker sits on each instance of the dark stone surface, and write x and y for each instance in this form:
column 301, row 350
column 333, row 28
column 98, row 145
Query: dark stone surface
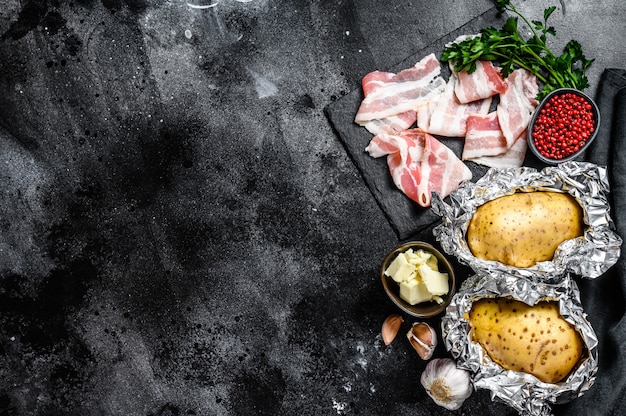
column 182, row 233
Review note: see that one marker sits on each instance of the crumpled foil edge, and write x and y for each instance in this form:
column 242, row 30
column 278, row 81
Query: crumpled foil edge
column 588, row 256
column 521, row 391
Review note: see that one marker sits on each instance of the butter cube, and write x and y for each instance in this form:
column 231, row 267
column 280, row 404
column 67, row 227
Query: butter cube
column 435, row 281
column 400, row 269
column 414, row 292
column 413, row 257
column 422, row 257
column 432, row 262
column 438, row 299
column 417, row 257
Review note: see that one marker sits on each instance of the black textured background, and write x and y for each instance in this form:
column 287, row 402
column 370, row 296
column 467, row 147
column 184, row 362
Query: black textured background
column 182, row 232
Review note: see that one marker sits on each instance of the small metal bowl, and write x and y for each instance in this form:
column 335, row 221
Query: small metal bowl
column 424, row 309
column 596, row 118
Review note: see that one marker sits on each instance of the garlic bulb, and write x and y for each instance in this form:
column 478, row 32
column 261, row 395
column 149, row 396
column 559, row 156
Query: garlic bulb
column 446, row 384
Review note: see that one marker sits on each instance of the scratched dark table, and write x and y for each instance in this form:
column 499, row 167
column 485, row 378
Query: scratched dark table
column 182, row 232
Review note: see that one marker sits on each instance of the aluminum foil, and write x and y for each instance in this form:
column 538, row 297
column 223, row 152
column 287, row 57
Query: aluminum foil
column 522, row 391
column 589, row 255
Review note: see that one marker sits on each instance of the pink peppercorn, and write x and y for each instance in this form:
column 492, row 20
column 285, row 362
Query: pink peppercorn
column 563, row 126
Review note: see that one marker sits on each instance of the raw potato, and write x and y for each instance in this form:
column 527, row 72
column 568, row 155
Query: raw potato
column 530, row 339
column 524, row 228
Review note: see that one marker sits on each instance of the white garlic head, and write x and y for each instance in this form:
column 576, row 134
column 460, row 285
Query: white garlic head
column 446, row 384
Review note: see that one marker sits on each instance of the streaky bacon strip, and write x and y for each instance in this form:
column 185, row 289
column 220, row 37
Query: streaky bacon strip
column 406, row 176
column 387, row 95
column 375, row 80
column 512, row 158
column 392, row 124
column 404, row 153
column 420, row 164
column 386, row 144
column 486, row 81
column 484, row 137
column 447, row 116
column 517, row 104
column 442, row 171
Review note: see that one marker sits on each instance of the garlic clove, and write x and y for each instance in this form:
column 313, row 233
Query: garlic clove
column 390, row 328
column 423, row 338
column 446, row 384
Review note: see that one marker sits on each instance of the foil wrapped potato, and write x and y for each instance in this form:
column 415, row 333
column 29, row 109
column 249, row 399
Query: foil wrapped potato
column 524, row 228
column 530, row 339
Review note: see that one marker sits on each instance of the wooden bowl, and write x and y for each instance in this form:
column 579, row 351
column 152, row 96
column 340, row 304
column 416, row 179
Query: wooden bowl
column 425, row 309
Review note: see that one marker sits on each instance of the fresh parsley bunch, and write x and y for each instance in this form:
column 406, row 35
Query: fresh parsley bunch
column 511, row 50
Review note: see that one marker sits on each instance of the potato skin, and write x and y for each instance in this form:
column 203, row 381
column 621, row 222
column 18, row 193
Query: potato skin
column 530, row 339
column 524, row 228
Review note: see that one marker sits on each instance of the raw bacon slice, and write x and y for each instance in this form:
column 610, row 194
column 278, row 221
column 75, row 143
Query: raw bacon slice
column 420, row 164
column 387, row 95
column 425, row 112
column 404, row 153
column 386, row 144
column 442, row 171
column 517, row 104
column 512, row 158
column 392, row 124
column 483, row 137
column 447, row 116
column 406, row 174
column 486, row 81
column 375, row 80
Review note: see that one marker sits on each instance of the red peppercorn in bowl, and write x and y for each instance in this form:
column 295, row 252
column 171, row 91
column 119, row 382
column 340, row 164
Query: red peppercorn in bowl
column 563, row 125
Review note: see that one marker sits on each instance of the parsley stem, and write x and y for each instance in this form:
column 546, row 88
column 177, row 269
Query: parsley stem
column 540, row 43
column 522, row 64
column 532, row 29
